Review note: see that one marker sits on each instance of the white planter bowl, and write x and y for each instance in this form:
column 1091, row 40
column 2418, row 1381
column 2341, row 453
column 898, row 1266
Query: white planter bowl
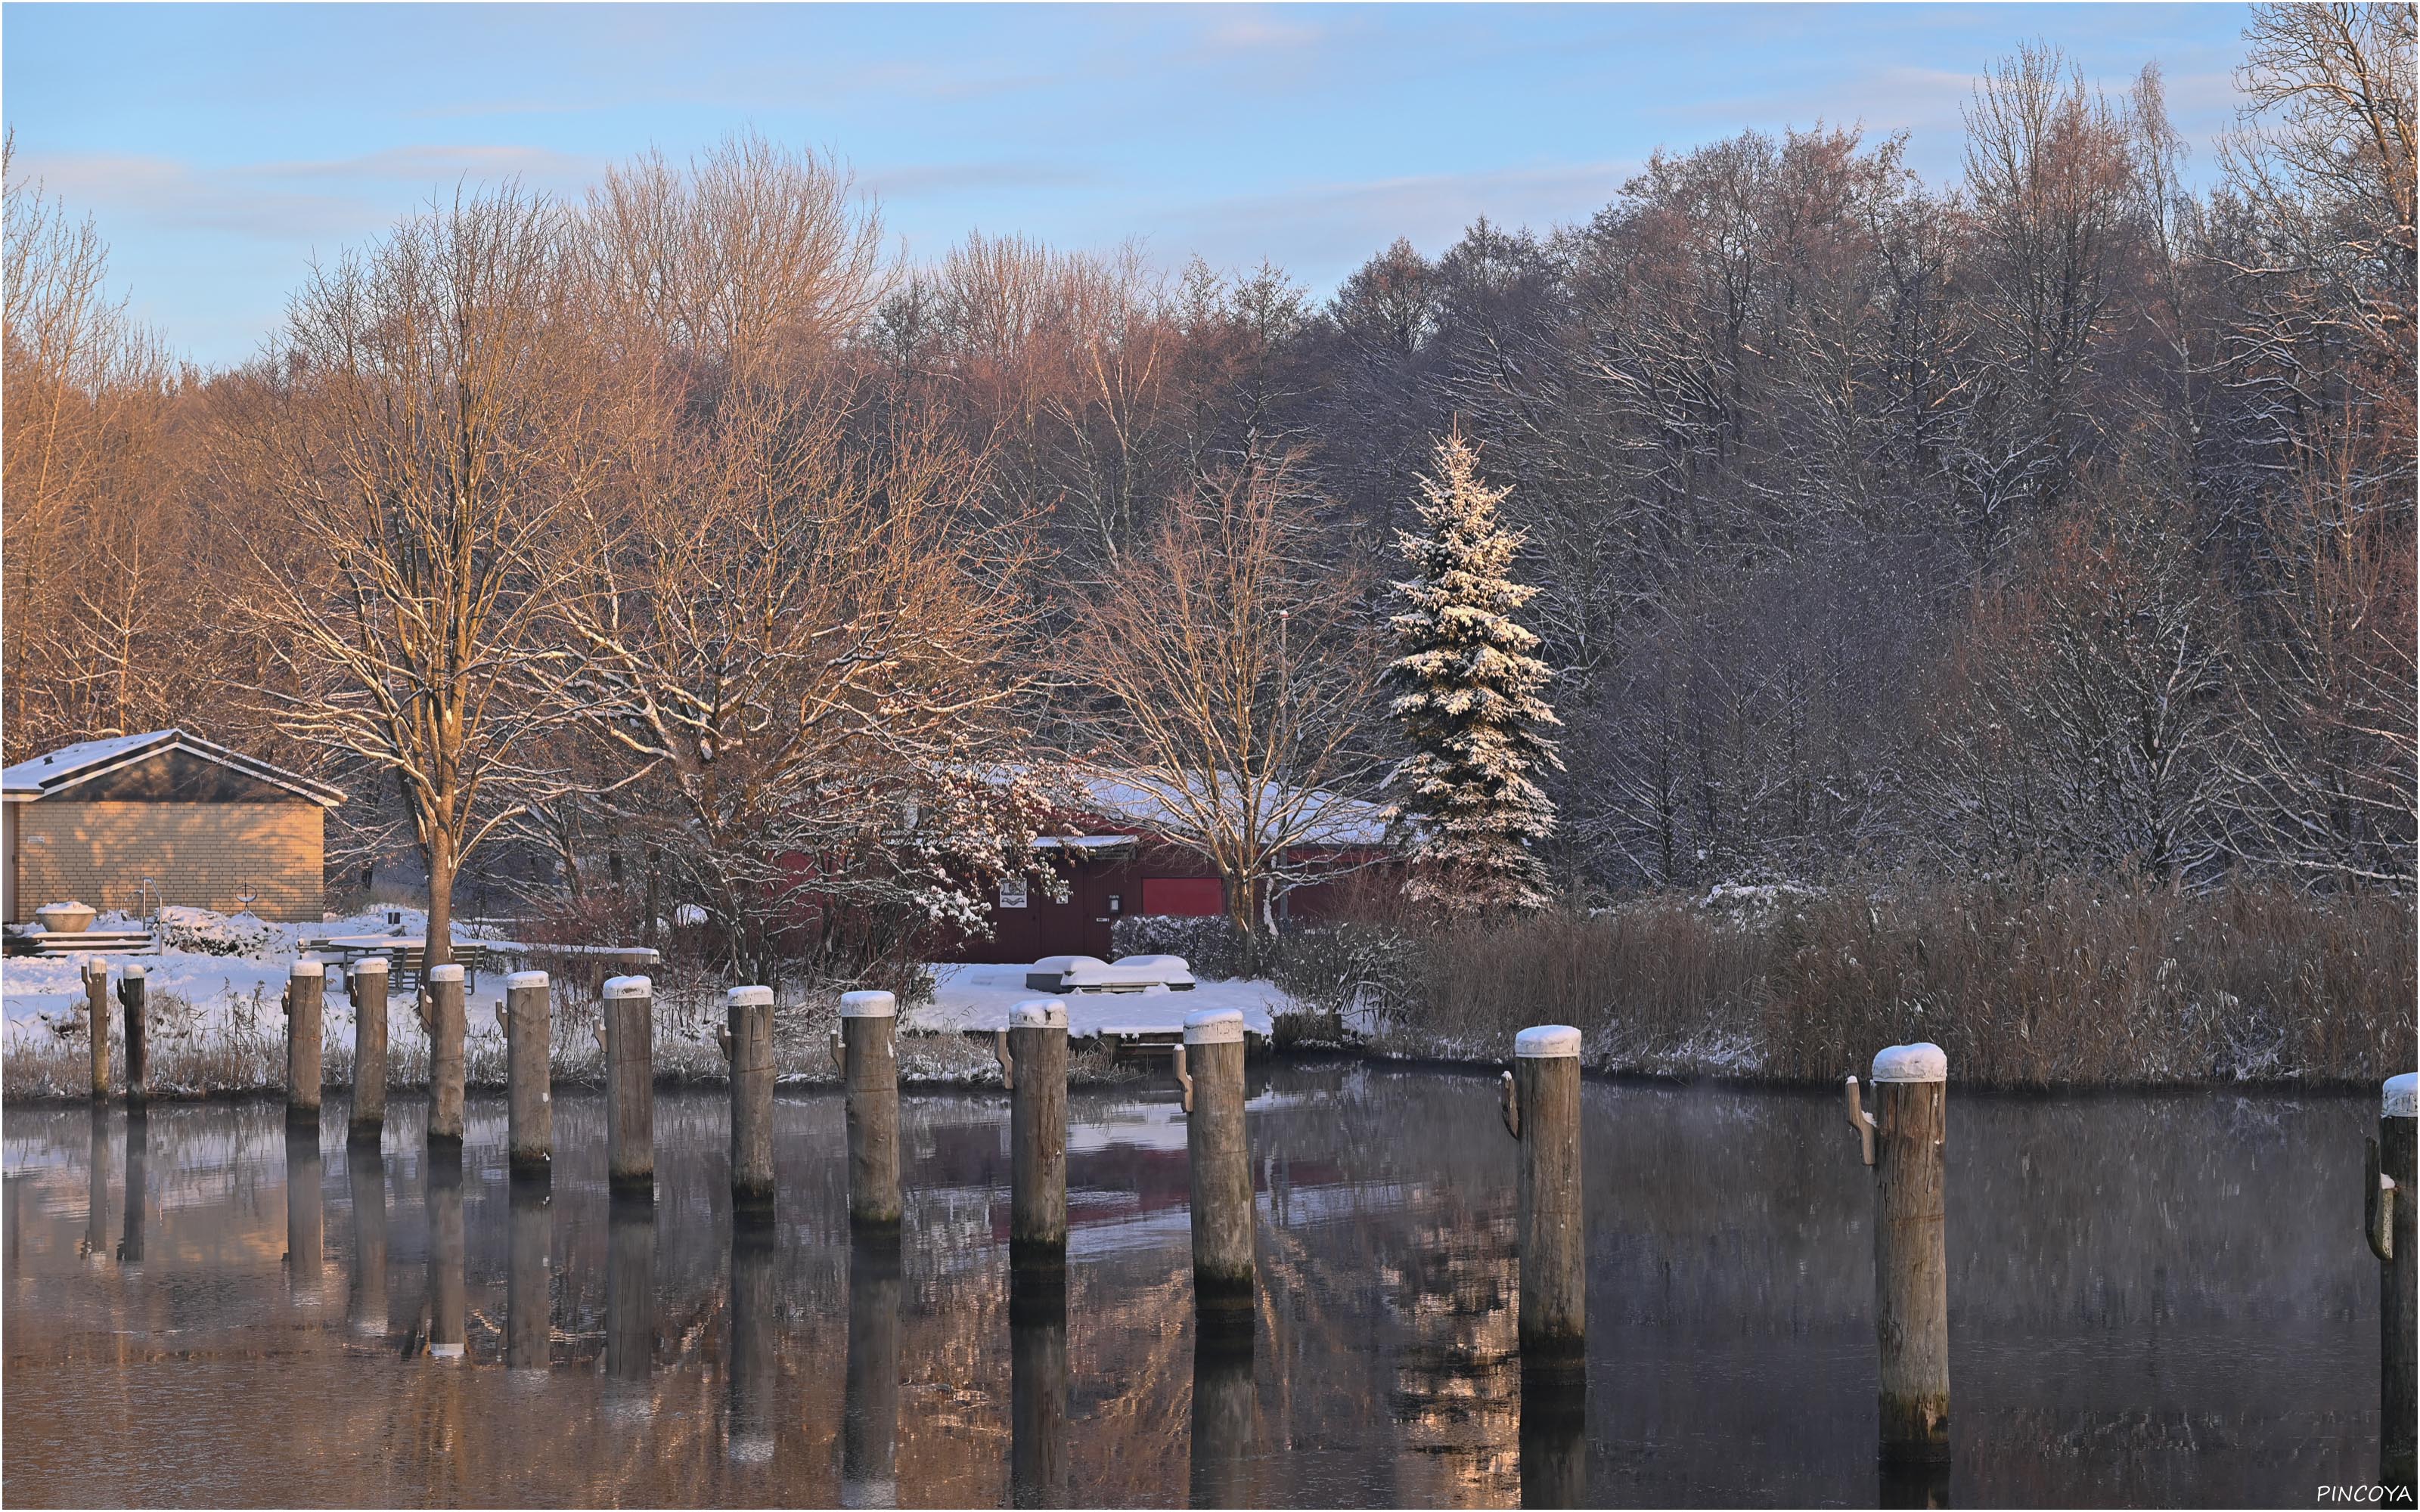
column 65, row 919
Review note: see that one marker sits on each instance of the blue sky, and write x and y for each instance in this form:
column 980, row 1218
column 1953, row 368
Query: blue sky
column 220, row 148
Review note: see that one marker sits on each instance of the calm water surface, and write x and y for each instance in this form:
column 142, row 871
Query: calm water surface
column 2153, row 1300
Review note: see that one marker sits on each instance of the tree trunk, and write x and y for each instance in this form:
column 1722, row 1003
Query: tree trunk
column 439, row 948
column 1239, row 901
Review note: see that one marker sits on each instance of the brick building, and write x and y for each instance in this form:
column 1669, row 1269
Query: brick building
column 202, row 826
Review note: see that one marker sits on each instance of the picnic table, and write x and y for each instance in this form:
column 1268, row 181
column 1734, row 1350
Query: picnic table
column 403, row 955
column 588, row 964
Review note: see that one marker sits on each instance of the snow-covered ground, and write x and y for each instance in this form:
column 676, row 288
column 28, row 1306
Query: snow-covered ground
column 980, row 996
column 199, row 995
column 203, row 1000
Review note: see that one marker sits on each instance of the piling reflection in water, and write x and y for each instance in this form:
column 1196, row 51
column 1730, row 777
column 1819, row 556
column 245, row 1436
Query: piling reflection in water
column 1917, row 1482
column 1223, row 1408
column 446, row 1308
column 1037, row 1355
column 1554, row 1441
column 630, row 1290
column 306, row 1215
column 95, row 1191
column 529, row 1291
column 138, row 1159
column 753, row 1358
column 2115, row 1346
column 366, row 1306
column 869, row 1422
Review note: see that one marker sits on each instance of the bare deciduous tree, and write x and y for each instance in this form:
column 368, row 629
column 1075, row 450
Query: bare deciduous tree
column 1230, row 670
column 411, row 432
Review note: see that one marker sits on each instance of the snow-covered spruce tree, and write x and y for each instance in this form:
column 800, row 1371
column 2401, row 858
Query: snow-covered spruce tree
column 1467, row 692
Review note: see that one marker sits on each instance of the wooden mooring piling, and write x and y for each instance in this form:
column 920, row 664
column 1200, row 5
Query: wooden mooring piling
column 1210, row 1070
column 132, row 992
column 1902, row 1139
column 366, row 984
column 527, row 1020
column 1542, row 1111
column 1033, row 1061
column 306, row 1004
column 96, row 1018
column 747, row 1040
column 868, row 1054
column 2391, row 1193
column 441, row 1014
column 628, row 1027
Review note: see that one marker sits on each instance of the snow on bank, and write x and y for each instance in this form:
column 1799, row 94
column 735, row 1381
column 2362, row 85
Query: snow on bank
column 202, row 994
column 980, row 996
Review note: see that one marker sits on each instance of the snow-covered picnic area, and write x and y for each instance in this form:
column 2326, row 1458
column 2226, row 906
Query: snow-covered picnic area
column 216, row 981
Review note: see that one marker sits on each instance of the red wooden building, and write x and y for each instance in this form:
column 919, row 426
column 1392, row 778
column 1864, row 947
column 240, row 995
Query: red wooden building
column 1112, row 858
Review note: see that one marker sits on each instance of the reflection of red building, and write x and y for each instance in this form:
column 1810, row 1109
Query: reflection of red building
column 1113, row 860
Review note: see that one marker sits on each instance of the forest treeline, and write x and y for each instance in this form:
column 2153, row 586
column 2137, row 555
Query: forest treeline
column 2059, row 517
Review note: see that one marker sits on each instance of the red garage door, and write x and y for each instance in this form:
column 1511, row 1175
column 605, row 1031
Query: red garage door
column 1190, row 896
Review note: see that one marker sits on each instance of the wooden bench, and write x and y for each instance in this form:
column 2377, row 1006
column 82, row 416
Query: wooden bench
column 96, row 941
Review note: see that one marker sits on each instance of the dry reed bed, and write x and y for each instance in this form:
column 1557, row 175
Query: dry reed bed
column 2055, row 984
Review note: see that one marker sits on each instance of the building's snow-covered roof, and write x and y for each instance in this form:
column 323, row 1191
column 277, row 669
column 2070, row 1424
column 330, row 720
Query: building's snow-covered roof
column 1315, row 818
column 39, row 776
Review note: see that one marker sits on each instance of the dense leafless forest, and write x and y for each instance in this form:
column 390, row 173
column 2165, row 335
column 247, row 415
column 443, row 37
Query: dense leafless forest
column 2059, row 519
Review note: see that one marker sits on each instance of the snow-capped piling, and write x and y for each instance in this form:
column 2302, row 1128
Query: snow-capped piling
column 367, row 986
column 96, row 1018
column 869, row 1417
column 1210, row 1066
column 629, row 1031
column 1903, row 1141
column 1541, row 1112
column 1037, row 1124
column 447, row 1309
column 305, row 1214
column 2391, row 1193
column 747, row 1039
column 131, row 992
column 305, row 999
column 529, row 1306
column 441, row 1014
column 527, row 1019
column 366, row 1305
column 870, row 1067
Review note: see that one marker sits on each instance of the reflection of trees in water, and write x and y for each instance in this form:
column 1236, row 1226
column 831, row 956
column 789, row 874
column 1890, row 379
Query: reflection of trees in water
column 1406, row 1243
column 2111, row 1257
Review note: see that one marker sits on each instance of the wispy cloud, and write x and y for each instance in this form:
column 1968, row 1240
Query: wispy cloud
column 282, row 200
column 1319, row 230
